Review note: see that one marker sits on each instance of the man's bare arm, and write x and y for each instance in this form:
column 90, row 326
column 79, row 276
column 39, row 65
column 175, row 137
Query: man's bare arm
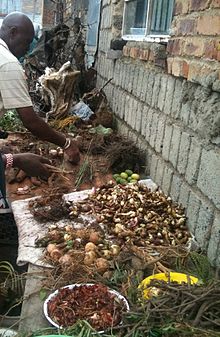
column 39, row 128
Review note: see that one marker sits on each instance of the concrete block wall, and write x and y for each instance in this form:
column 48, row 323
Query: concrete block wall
column 176, row 123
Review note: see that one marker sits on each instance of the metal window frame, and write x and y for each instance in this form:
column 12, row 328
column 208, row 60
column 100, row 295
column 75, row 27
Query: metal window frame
column 147, row 37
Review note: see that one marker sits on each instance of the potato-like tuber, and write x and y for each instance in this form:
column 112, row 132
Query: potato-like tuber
column 94, row 237
column 106, row 253
column 66, row 259
column 102, row 264
column 55, row 254
column 115, row 249
column 51, row 247
column 90, row 246
column 89, row 258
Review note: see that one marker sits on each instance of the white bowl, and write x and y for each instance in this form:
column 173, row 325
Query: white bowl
column 72, row 286
column 6, row 332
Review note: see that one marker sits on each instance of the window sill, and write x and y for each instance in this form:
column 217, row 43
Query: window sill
column 148, row 51
column 149, row 38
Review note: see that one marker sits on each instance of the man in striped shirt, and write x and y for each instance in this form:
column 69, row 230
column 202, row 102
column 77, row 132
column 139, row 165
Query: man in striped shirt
column 16, row 34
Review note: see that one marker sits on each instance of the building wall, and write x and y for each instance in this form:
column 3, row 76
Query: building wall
column 71, row 10
column 32, row 8
column 194, row 49
column 174, row 119
column 48, row 14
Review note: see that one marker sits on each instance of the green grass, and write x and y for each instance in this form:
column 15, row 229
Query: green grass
column 11, row 122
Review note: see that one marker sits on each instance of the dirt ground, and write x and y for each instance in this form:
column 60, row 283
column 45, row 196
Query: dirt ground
column 91, row 171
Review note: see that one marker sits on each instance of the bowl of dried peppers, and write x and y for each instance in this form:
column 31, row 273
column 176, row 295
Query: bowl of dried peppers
column 101, row 306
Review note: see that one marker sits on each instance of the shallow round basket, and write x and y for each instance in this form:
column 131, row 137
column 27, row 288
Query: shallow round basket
column 72, row 286
column 171, row 277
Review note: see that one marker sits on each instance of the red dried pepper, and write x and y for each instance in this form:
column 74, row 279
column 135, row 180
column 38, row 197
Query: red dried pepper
column 93, row 303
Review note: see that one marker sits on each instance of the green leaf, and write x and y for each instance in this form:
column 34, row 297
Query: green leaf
column 43, row 294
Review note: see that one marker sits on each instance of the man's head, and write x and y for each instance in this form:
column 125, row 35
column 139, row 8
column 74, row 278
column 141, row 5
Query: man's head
column 17, row 31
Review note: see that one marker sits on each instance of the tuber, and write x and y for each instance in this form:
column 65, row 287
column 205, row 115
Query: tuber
column 94, row 237
column 90, row 246
column 89, row 258
column 102, row 264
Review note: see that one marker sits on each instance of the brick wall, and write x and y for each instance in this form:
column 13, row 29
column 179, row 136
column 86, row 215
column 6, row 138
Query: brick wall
column 74, row 9
column 31, row 7
column 48, row 14
column 194, row 49
column 174, row 119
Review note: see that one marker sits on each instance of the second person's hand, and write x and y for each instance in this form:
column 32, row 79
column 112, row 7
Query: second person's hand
column 72, row 153
column 32, row 164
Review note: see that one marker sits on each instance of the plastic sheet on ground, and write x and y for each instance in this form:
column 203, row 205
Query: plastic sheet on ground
column 29, row 229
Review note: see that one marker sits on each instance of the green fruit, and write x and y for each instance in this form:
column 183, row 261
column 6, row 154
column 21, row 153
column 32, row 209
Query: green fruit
column 116, row 175
column 133, row 181
column 118, row 179
column 123, row 181
column 135, row 176
column 129, row 172
column 123, row 175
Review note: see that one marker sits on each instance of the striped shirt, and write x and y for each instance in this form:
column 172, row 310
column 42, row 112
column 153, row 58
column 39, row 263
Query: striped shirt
column 13, row 86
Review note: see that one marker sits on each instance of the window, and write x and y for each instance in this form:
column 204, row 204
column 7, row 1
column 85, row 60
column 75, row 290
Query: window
column 148, row 20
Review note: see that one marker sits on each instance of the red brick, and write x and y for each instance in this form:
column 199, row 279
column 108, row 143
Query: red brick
column 169, row 65
column 209, row 25
column 190, row 48
column 215, row 4
column 180, row 68
column 181, row 7
column 198, row 5
column 210, row 49
column 134, row 52
column 194, row 47
column 178, row 8
column 151, row 56
column 144, row 54
column 186, row 27
column 176, row 47
column 126, row 51
column 170, row 46
column 176, row 67
column 217, row 49
column 185, row 69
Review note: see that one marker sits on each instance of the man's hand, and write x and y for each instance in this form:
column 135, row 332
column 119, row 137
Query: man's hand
column 32, row 164
column 72, row 153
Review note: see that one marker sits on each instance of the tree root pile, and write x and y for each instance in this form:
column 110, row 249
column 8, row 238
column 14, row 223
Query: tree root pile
column 123, row 154
column 49, row 207
column 152, row 259
column 77, row 272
